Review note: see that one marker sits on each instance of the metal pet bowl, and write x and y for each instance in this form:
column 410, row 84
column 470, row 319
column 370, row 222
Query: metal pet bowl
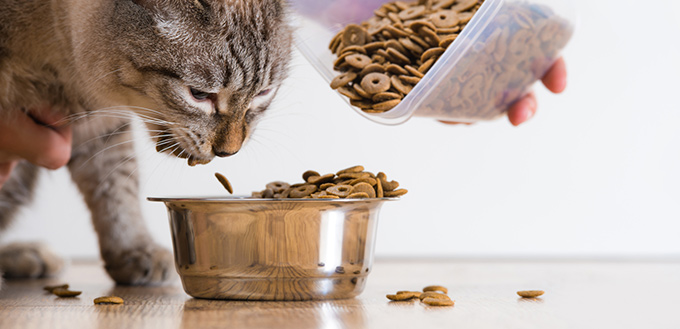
column 273, row 249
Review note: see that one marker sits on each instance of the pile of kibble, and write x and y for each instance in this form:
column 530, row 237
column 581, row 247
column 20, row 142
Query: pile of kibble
column 383, row 58
column 350, row 183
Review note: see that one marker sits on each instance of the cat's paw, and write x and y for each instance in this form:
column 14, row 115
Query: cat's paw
column 148, row 265
column 29, row 260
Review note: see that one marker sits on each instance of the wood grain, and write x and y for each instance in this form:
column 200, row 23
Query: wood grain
column 578, row 295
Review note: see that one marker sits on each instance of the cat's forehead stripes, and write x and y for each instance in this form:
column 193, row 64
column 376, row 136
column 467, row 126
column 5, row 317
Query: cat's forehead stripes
column 239, row 50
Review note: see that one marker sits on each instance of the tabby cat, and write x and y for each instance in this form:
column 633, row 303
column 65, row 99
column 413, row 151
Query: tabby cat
column 199, row 73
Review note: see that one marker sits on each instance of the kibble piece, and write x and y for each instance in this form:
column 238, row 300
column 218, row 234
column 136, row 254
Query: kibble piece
column 409, row 79
column 278, row 187
column 412, row 13
column 530, row 293
column 362, row 104
column 343, row 79
column 354, row 49
column 387, row 186
column 386, row 105
column 447, row 41
column 360, row 90
column 335, row 42
column 52, row 288
column 65, row 293
column 368, row 180
column 302, row 191
column 395, row 69
column 375, row 67
column 318, row 180
column 432, row 294
column 225, row 182
column 396, row 193
column 309, row 173
column 397, row 56
column 108, row 300
column 325, row 186
column 419, row 24
column 354, row 35
column 416, row 294
column 438, row 302
column 445, row 18
column 354, row 169
column 350, row 93
column 400, row 86
column 328, row 196
column 374, row 83
column 386, row 96
column 436, row 288
column 379, row 189
column 373, row 46
column 358, row 61
column 267, row 193
column 361, row 195
column 363, row 188
column 432, row 53
column 340, row 190
column 403, row 296
column 414, row 71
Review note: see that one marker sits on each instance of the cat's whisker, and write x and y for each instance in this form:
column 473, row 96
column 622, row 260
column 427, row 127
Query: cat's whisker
column 175, row 145
column 104, row 150
column 115, row 133
column 122, row 112
column 118, row 165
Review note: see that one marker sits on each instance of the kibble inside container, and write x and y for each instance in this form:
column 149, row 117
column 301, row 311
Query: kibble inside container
column 505, row 48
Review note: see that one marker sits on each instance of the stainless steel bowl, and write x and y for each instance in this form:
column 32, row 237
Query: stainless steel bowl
column 257, row 249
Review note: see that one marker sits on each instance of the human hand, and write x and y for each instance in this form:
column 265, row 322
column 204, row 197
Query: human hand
column 35, row 136
column 524, row 109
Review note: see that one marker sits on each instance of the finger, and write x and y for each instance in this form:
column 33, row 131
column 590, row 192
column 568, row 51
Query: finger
column 523, row 110
column 556, row 77
column 5, row 171
column 41, row 145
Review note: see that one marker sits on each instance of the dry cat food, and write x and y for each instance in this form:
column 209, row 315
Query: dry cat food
column 530, row 293
column 51, row 289
column 382, row 59
column 431, row 296
column 350, row 183
column 108, row 300
column 64, row 292
column 225, row 182
column 436, row 288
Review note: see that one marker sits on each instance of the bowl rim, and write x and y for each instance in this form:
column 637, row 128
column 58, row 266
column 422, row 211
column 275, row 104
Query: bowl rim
column 245, row 199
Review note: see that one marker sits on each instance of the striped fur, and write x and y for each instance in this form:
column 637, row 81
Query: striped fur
column 102, row 61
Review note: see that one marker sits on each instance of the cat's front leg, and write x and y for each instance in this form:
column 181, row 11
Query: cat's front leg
column 104, row 168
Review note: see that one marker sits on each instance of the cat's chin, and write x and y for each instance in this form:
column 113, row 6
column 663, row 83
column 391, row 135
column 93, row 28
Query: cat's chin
column 181, row 153
column 194, row 161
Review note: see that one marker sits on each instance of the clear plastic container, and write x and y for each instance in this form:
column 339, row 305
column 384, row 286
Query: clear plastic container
column 506, row 47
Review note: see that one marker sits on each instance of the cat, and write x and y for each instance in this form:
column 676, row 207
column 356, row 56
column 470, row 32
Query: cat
column 199, row 73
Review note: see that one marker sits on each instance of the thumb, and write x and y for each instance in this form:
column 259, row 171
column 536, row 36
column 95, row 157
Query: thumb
column 45, row 146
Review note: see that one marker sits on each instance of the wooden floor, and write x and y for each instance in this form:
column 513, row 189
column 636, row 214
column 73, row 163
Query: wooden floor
column 578, row 295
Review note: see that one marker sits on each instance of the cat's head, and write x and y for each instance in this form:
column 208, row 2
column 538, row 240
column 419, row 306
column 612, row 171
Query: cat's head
column 200, row 72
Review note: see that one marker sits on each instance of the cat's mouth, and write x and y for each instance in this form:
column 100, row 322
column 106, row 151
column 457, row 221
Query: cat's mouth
column 169, row 144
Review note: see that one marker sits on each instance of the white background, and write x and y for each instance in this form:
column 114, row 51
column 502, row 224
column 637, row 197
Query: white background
column 595, row 174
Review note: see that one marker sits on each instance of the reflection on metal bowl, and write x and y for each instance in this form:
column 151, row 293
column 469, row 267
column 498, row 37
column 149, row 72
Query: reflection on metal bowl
column 256, row 249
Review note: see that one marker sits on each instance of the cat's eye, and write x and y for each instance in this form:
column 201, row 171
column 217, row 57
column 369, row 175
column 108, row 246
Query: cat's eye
column 199, row 95
column 264, row 92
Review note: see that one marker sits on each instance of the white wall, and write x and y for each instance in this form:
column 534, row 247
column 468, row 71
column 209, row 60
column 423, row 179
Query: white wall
column 596, row 173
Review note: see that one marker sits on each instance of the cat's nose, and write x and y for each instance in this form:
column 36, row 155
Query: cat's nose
column 223, row 154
